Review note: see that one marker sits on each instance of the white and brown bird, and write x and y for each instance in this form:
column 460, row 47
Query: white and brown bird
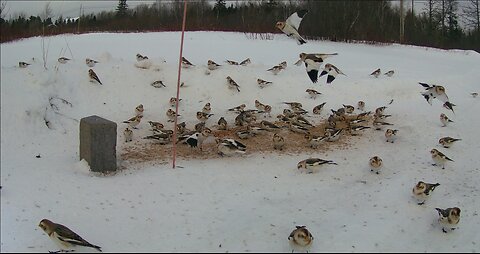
column 156, row 126
column 434, row 91
column 245, row 62
column 230, row 147
column 314, row 141
column 161, row 138
column 332, row 72
column 422, row 191
column 313, row 93
column 222, row 123
column 207, row 108
column 445, row 120
column 448, row 105
column 376, row 163
column 90, row 62
column 64, row 237
column 23, row 64
column 300, row 239
column 232, row 84
column 239, row 108
column 447, row 142
column 173, row 101
column 317, row 110
column 158, row 84
column 139, row 110
column 93, row 77
column 203, row 117
column 134, row 121
column 128, row 134
column 361, row 105
column 171, row 115
column 313, row 62
column 278, row 142
column 312, row 165
column 259, row 106
column 212, row 65
column 391, row 135
column 291, row 25
column 269, row 126
column 439, row 158
column 376, row 73
column 348, row 108
column 276, row 69
column 186, row 63
column 389, row 73
column 231, row 62
column 63, row 60
column 448, row 218
column 263, row 83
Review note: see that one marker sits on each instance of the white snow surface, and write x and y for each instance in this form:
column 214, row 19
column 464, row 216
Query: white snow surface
column 248, row 203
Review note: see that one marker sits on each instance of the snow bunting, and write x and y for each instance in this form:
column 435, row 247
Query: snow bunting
column 276, row 69
column 361, row 105
column 63, row 60
column 134, row 121
column 293, row 104
column 199, row 126
column 260, row 106
column 434, row 91
column 245, row 62
column 291, row 25
column 439, row 158
column 313, row 93
column 245, row 134
column 333, row 136
column 128, row 134
column 448, row 105
column 391, row 135
column 230, row 147
column 158, row 84
column 23, row 64
column 222, row 123
column 90, row 62
column 378, row 124
column 262, row 83
column 267, row 110
column 156, row 125
column 161, row 138
column 313, row 140
column 474, row 94
column 171, row 115
column 269, row 125
column 376, row 73
column 203, row 117
column 186, row 63
column 173, row 101
column 207, row 108
column 380, row 110
column 318, row 109
column 389, row 73
column 278, row 142
column 445, row 120
column 232, row 62
column 244, row 118
column 448, row 218
column 239, row 108
column 196, row 140
column 63, row 236
column 376, row 164
column 181, row 128
column 93, row 77
column 355, row 130
column 212, row 65
column 332, row 72
column 447, row 141
column 348, row 108
column 232, row 84
column 422, row 191
column 300, row 239
column 139, row 110
column 312, row 165
column 313, row 63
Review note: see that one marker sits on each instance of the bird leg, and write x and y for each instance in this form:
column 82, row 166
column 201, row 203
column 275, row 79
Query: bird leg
column 421, row 203
column 444, row 231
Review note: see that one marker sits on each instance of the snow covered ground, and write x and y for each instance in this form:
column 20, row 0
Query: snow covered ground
column 235, row 204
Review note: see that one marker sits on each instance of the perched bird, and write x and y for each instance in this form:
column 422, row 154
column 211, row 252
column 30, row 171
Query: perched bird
column 158, row 84
column 23, row 64
column 312, row 165
column 348, row 108
column 333, row 136
column 63, row 60
column 445, row 120
column 196, row 139
column 267, row 109
column 318, row 109
column 140, row 57
column 376, row 164
column 212, row 65
column 93, row 77
column 448, row 105
column 139, row 110
column 63, row 236
column 313, row 93
column 90, row 62
column 207, row 108
column 245, row 134
column 447, row 142
column 171, row 115
column 232, row 62
column 361, row 105
column 278, row 142
column 186, row 63
column 391, row 135
column 354, row 130
column 474, row 94
column 232, row 84
column 269, row 126
column 181, row 127
column 276, row 69
column 156, row 126
column 161, row 138
column 434, row 91
column 283, row 64
column 380, row 110
column 260, row 106
column 291, row 25
column 230, row 147
column 448, row 218
column 222, row 123
column 245, row 62
column 313, row 140
column 293, row 104
column 173, row 101
column 128, row 134
column 245, row 118
column 300, row 239
column 134, row 121
column 389, row 73
column 203, row 117
column 363, row 115
column 239, row 108
column 262, row 83
column 297, row 128
column 332, row 72
column 376, row 73
column 313, row 63
column 439, row 158
column 422, row 191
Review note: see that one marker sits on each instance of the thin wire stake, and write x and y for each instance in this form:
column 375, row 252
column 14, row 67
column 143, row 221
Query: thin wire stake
column 178, row 84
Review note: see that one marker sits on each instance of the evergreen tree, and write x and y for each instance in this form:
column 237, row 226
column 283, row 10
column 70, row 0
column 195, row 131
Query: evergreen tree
column 122, row 8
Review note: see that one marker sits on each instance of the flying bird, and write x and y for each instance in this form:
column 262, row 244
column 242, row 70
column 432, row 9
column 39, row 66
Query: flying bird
column 291, row 25
column 313, row 63
column 434, row 91
column 332, row 72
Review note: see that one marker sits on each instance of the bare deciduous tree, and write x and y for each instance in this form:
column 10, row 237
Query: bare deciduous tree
column 472, row 15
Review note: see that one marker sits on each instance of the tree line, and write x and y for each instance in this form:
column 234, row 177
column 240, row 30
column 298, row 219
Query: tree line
column 375, row 21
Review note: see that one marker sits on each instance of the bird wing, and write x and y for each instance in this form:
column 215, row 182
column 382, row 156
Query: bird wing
column 425, row 85
column 296, row 18
column 67, row 235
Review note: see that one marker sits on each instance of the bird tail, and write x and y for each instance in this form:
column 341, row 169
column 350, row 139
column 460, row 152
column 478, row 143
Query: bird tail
column 301, row 41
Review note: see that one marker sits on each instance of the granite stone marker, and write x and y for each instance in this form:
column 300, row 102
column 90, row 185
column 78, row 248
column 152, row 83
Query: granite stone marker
column 98, row 141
